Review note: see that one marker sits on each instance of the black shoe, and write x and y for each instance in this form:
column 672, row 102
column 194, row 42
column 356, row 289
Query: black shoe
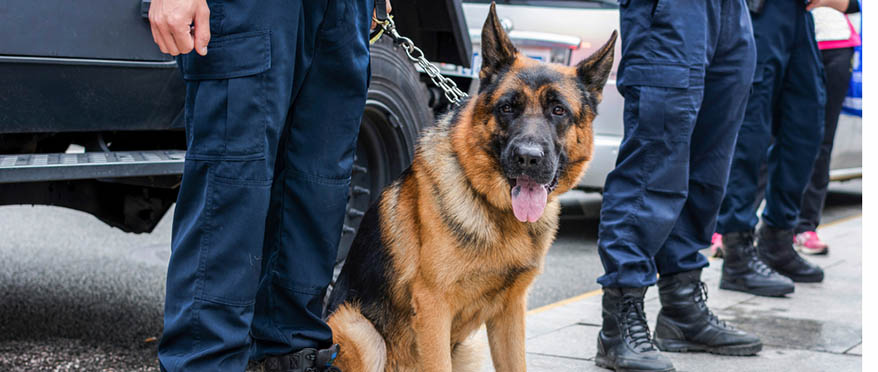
column 775, row 247
column 686, row 324
column 743, row 270
column 305, row 360
column 624, row 343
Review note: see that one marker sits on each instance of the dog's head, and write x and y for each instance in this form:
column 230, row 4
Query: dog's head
column 538, row 117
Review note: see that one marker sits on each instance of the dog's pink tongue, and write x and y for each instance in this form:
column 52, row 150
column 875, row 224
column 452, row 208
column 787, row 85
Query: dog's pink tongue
column 528, row 199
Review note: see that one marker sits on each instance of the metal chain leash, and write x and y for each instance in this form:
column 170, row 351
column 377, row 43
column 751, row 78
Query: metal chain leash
column 452, row 92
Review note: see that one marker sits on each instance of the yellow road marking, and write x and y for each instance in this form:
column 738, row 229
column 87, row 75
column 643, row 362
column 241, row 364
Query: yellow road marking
column 565, row 301
column 599, row 291
column 840, row 221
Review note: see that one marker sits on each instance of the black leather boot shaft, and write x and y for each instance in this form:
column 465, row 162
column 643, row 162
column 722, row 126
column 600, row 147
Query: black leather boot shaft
column 775, row 247
column 624, row 342
column 305, row 360
column 685, row 323
column 744, row 271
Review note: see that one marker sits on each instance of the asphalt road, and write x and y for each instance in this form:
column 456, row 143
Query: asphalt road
column 77, row 295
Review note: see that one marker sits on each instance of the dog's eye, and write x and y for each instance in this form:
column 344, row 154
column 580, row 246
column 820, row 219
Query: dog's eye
column 558, row 110
column 506, row 109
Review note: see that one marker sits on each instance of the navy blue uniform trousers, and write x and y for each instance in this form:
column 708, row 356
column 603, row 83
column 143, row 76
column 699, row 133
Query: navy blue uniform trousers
column 783, row 125
column 272, row 115
column 685, row 73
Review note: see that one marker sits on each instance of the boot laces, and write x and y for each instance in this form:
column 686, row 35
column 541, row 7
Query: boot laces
column 323, row 369
column 756, row 263
column 313, row 360
column 634, row 324
column 701, row 301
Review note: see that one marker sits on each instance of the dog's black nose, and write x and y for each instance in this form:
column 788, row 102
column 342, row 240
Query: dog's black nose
column 527, row 155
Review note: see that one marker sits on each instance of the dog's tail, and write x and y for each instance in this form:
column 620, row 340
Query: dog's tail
column 467, row 355
column 362, row 347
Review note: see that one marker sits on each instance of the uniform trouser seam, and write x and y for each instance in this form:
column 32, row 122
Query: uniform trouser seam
column 202, row 255
column 312, row 291
column 755, row 127
column 206, row 226
column 273, row 244
column 280, row 157
column 223, row 301
column 631, row 218
column 321, row 180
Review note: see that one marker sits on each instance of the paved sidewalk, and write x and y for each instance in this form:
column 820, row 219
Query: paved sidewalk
column 817, row 328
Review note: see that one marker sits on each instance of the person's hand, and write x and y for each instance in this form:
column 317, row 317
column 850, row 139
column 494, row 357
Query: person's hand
column 375, row 15
column 178, row 26
column 839, row 5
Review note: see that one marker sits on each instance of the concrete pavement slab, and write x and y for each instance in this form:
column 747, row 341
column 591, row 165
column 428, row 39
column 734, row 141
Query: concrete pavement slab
column 856, row 350
column 586, row 309
column 770, row 359
column 776, row 329
column 574, row 341
column 548, row 363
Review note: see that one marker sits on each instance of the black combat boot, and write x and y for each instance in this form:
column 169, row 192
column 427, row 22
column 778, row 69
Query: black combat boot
column 775, row 247
column 686, row 324
column 305, row 360
column 624, row 342
column 743, row 270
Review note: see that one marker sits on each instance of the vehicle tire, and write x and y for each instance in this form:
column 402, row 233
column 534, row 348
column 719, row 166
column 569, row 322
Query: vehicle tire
column 396, row 111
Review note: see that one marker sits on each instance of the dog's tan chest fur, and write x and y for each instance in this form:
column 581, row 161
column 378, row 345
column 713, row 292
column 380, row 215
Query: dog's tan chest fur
column 502, row 259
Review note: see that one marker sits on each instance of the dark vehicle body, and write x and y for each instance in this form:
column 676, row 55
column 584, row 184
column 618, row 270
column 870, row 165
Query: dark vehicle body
column 73, row 67
column 91, row 110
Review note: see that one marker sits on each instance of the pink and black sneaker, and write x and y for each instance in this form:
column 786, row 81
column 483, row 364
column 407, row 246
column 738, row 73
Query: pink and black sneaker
column 809, row 243
column 716, row 245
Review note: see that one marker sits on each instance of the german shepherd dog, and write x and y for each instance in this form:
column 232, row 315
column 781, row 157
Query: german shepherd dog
column 456, row 241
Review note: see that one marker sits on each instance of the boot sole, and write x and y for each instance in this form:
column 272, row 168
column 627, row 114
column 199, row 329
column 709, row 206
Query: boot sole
column 804, row 279
column 813, row 252
column 761, row 291
column 680, row 346
column 606, row 362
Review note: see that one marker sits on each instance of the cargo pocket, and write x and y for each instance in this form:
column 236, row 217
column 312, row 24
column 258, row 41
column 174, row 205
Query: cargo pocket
column 656, row 97
column 665, row 111
column 230, row 259
column 225, row 97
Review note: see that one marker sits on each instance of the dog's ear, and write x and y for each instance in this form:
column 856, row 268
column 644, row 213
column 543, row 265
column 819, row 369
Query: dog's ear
column 595, row 70
column 497, row 49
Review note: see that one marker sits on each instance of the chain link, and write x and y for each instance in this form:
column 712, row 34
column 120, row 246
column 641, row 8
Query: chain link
column 452, row 92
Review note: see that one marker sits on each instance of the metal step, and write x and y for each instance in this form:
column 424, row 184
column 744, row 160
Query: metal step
column 88, row 165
